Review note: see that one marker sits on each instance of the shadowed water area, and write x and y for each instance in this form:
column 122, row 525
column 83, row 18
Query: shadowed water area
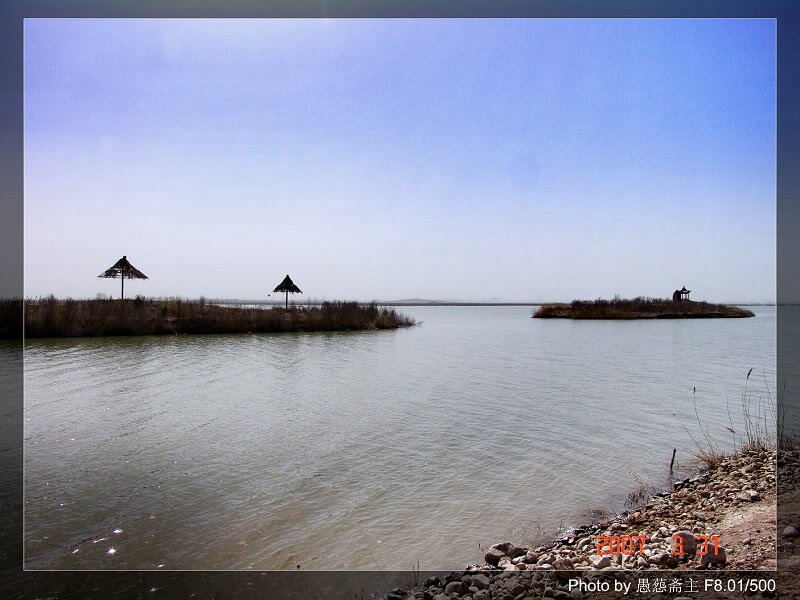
column 366, row 449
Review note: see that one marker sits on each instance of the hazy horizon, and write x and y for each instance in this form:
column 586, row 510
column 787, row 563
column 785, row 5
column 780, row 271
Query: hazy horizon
column 519, row 160
column 307, row 299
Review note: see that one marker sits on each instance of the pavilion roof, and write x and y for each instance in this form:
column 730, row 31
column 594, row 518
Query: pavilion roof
column 122, row 268
column 287, row 285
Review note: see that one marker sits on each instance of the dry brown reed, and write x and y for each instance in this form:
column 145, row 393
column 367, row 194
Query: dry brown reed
column 760, row 427
column 52, row 317
column 638, row 308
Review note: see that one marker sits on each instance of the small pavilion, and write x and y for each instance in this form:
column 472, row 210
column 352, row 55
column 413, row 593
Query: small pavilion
column 287, row 286
column 124, row 270
column 681, row 294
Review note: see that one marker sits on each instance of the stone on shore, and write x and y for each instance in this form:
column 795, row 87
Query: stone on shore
column 456, row 586
column 713, row 559
column 494, row 555
column 689, row 543
column 602, row 562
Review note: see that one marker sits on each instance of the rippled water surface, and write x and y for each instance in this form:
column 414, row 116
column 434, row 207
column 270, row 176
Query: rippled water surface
column 370, row 449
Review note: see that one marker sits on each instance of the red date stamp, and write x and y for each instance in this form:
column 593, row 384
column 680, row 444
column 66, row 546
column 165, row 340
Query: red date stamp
column 703, row 544
column 611, row 545
column 620, row 544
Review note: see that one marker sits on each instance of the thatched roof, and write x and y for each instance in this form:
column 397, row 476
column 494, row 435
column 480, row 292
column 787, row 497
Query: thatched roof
column 122, row 268
column 287, row 285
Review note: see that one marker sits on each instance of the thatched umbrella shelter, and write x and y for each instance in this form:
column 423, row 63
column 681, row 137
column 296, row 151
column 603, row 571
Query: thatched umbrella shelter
column 124, row 270
column 287, row 285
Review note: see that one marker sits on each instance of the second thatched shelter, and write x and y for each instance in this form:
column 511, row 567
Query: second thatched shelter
column 287, row 286
column 124, row 270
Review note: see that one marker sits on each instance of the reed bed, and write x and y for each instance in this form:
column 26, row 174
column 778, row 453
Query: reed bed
column 52, row 317
column 638, row 308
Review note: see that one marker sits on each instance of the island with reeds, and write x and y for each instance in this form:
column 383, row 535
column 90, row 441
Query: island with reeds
column 52, row 317
column 639, row 308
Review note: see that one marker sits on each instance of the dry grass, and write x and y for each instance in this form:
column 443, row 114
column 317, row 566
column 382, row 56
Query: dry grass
column 760, row 427
column 709, row 457
column 52, row 317
column 638, row 308
column 641, row 493
column 760, row 412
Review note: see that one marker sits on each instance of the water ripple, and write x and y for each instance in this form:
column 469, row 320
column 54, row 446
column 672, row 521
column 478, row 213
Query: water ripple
column 351, row 450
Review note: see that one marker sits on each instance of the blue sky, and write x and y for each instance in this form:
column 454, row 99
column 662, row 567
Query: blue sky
column 522, row 160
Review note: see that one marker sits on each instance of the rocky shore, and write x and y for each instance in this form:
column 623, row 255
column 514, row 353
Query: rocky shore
column 734, row 500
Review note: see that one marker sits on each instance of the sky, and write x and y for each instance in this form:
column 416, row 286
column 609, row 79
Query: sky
column 521, row 160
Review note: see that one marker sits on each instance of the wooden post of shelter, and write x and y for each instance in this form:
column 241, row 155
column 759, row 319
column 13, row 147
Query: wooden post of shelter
column 287, row 285
column 124, row 270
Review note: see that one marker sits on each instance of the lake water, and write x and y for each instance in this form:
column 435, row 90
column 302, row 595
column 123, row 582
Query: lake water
column 366, row 450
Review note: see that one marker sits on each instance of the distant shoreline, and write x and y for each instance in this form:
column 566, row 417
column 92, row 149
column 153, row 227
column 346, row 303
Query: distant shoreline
column 447, row 303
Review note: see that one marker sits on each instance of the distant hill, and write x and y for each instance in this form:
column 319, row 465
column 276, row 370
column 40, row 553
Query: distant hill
column 423, row 302
column 419, row 301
